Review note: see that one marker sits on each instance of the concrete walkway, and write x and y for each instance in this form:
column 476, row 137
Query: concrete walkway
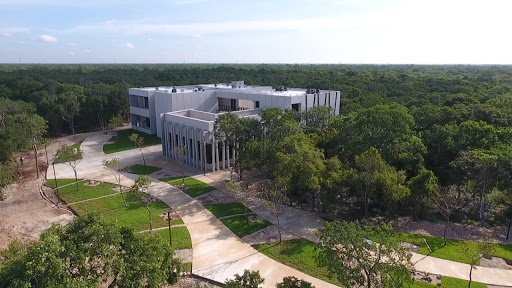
column 218, row 254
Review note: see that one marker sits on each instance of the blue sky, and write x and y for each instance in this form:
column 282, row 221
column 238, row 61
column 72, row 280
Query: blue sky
column 259, row 31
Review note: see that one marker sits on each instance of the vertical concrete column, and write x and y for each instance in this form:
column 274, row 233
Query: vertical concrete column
column 217, row 162
column 196, row 152
column 213, row 152
column 223, row 151
column 233, row 153
column 203, row 158
column 187, row 149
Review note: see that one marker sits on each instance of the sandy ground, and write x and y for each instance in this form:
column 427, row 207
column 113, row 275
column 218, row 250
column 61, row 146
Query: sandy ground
column 25, row 213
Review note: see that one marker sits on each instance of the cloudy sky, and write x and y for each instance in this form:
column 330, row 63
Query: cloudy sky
column 256, row 31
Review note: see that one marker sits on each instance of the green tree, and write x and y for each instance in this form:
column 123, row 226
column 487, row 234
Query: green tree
column 7, row 176
column 293, row 282
column 139, row 142
column 424, row 188
column 115, row 166
column 70, row 99
column 141, row 188
column 72, row 157
column 364, row 256
column 473, row 252
column 250, row 279
column 114, row 122
column 370, row 166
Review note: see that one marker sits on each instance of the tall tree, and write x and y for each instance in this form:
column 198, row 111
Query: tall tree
column 141, row 188
column 447, row 203
column 139, row 142
column 424, row 188
column 370, row 166
column 364, row 256
column 70, row 100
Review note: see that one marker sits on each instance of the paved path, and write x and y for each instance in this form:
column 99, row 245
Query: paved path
column 218, row 254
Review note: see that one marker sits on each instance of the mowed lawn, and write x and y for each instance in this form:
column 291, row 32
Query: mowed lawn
column 240, row 227
column 180, row 237
column 195, row 187
column 143, row 170
column 60, row 182
column 452, row 251
column 134, row 215
column 227, row 209
column 123, row 143
column 70, row 194
column 301, row 255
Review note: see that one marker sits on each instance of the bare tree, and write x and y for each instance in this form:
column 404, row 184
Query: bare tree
column 240, row 191
column 180, row 154
column 114, row 166
column 446, row 203
column 139, row 142
column 141, row 188
column 474, row 252
column 273, row 200
column 72, row 157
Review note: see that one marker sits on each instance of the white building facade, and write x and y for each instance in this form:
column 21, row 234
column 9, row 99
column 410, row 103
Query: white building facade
column 184, row 115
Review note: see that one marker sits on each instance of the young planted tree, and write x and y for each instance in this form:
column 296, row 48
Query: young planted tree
column 139, row 141
column 72, row 157
column 473, row 252
column 446, row 203
column 114, row 166
column 274, row 200
column 363, row 256
column 180, row 154
column 141, row 188
column 250, row 279
column 240, row 191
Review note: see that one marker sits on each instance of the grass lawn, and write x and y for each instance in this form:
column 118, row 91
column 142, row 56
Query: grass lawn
column 239, row 226
column 187, row 267
column 448, row 282
column 143, row 170
column 180, row 237
column 227, row 209
column 134, row 215
column 195, row 187
column 70, row 194
column 122, row 143
column 59, row 159
column 452, row 250
column 60, row 182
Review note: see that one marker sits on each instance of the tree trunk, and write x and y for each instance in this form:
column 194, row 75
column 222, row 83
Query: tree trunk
column 509, row 223
column 365, row 205
column 143, row 159
column 37, row 164
column 122, row 195
column 368, row 282
column 169, row 223
column 279, row 229
column 470, row 271
column 72, row 124
column 150, row 220
column 481, row 204
column 445, row 228
column 76, row 179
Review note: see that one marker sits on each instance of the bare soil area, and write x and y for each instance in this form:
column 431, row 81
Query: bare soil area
column 24, row 214
column 455, row 230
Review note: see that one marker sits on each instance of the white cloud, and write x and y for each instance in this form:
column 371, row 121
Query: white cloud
column 71, row 53
column 6, row 34
column 129, row 45
column 47, row 38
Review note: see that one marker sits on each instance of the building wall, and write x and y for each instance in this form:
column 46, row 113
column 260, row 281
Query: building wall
column 137, row 98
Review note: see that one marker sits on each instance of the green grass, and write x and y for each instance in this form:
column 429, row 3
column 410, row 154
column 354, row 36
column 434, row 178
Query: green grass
column 70, row 194
column 452, row 251
column 134, row 215
column 59, row 159
column 299, row 254
column 60, row 182
column 187, row 267
column 227, row 209
column 122, row 143
column 180, row 237
column 239, row 226
column 448, row 282
column 195, row 187
column 143, row 170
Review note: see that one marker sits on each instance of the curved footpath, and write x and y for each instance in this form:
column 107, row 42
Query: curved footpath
column 218, row 254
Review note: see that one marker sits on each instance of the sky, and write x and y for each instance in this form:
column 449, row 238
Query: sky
column 256, row 31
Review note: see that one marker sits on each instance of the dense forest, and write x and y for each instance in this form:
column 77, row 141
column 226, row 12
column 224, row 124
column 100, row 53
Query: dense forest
column 405, row 132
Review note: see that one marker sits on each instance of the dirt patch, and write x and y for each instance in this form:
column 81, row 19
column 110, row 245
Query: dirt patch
column 173, row 215
column 434, row 279
column 268, row 235
column 215, row 197
column 494, row 262
column 24, row 214
column 92, row 183
column 455, row 230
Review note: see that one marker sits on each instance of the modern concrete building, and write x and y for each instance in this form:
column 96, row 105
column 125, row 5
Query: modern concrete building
column 184, row 115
